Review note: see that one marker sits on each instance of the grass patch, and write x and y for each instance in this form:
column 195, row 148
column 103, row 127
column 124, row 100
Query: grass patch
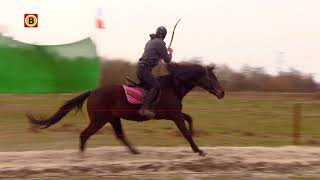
column 238, row 120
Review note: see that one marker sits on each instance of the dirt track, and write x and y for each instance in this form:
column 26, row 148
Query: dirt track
column 245, row 162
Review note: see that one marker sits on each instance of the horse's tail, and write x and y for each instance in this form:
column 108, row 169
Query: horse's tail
column 76, row 102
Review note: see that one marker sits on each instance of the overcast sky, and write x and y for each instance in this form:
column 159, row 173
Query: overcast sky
column 232, row 32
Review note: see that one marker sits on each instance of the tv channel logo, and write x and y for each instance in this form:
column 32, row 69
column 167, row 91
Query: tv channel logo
column 30, row 20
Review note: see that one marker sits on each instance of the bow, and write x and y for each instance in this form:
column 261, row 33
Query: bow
column 174, row 29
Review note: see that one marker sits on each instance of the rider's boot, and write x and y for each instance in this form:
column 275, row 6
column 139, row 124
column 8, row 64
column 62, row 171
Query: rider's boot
column 145, row 108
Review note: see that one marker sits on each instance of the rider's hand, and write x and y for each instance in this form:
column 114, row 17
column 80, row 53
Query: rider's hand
column 170, row 50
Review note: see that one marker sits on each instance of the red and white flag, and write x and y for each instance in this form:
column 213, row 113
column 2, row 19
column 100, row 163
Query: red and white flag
column 99, row 19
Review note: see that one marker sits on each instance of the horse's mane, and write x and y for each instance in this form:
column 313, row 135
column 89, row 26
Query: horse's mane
column 178, row 67
column 186, row 70
column 181, row 74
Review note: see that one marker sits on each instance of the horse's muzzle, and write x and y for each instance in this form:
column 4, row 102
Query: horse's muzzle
column 219, row 93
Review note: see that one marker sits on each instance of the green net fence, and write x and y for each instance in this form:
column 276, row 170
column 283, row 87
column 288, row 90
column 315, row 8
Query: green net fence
column 28, row 68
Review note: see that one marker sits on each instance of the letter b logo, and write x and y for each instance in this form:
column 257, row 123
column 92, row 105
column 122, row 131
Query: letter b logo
column 30, row 20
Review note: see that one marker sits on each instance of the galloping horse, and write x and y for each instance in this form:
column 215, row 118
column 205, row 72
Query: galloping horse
column 109, row 103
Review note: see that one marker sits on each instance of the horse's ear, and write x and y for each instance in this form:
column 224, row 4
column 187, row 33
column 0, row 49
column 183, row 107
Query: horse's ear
column 211, row 67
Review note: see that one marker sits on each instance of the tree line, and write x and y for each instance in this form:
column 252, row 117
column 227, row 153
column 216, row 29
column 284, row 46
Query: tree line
column 248, row 78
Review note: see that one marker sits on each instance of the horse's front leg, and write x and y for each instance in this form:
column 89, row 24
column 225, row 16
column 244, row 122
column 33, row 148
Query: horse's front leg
column 188, row 118
column 179, row 120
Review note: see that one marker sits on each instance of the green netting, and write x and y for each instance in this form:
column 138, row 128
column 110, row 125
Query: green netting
column 48, row 69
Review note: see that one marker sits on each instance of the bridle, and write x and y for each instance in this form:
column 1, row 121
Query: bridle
column 206, row 75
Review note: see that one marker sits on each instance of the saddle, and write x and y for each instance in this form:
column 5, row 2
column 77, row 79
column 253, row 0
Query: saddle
column 134, row 91
column 132, row 83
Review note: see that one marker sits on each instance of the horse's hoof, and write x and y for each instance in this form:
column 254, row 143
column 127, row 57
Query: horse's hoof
column 82, row 149
column 201, row 153
column 135, row 152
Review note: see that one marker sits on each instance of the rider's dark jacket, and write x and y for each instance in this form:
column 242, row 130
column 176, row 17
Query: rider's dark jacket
column 154, row 51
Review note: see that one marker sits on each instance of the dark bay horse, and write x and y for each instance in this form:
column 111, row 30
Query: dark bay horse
column 109, row 104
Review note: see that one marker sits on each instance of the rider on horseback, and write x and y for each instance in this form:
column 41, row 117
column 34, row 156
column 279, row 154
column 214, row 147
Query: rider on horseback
column 154, row 51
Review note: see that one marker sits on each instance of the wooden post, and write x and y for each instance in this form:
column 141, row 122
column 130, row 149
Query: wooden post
column 296, row 123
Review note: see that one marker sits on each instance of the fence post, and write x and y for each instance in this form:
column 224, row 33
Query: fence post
column 296, row 123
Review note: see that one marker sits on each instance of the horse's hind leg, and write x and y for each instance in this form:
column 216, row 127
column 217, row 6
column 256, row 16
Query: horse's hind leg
column 94, row 126
column 117, row 127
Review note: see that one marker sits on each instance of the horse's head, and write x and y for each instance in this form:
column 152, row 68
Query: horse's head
column 197, row 75
column 210, row 82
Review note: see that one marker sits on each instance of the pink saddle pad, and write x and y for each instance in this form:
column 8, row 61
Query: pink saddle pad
column 134, row 94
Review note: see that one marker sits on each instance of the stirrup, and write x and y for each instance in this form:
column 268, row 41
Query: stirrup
column 149, row 114
column 146, row 112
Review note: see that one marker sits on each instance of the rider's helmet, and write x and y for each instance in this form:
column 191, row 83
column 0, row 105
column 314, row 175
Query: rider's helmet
column 161, row 32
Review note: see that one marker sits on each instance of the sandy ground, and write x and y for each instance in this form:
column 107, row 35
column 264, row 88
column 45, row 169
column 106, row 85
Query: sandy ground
column 156, row 162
